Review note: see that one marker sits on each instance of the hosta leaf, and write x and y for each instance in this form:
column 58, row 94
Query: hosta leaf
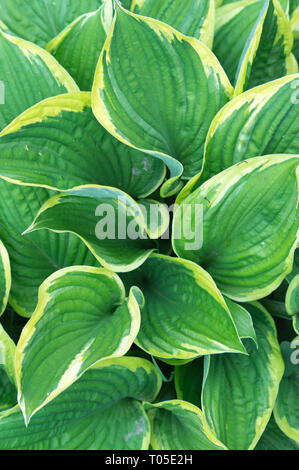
column 178, row 425
column 250, row 226
column 295, row 30
column 267, row 54
column 5, row 28
column 292, row 302
column 108, row 394
column 239, row 391
column 293, row 5
column 8, row 391
column 83, row 317
column 295, row 269
column 162, row 95
column 188, row 381
column 290, row 353
column 184, row 314
column 261, row 121
column 275, row 307
column 220, row 3
column 5, row 277
column 35, row 258
column 58, row 143
column 243, row 72
column 39, row 21
column 242, row 319
column 41, row 74
column 286, row 410
column 7, row 354
column 284, row 3
column 191, row 17
column 292, row 297
column 159, row 223
column 274, row 439
column 234, row 23
column 252, row 46
column 78, row 46
column 126, row 3
column 189, row 377
column 37, row 255
column 286, row 6
column 112, row 238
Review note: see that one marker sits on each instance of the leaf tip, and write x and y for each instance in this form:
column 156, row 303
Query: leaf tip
column 29, row 229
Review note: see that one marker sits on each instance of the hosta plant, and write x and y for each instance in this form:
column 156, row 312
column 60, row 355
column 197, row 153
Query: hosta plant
column 149, row 187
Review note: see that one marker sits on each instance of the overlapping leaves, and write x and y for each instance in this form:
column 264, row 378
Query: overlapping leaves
column 250, row 226
column 77, row 169
column 111, row 391
column 59, row 144
column 83, row 317
column 39, row 21
column 123, row 94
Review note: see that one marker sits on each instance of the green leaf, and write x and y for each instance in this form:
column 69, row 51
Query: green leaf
column 234, row 23
column 242, row 319
column 162, row 95
column 249, row 229
column 184, row 314
column 275, row 307
column 294, row 22
column 272, row 59
column 78, row 46
column 157, row 223
column 239, row 391
column 37, row 255
column 286, row 410
column 126, row 3
column 83, row 317
column 178, row 425
column 293, row 5
column 108, row 393
column 188, row 381
column 261, row 121
column 220, row 3
column 5, row 277
column 267, row 53
column 117, row 240
column 39, row 21
column 59, row 144
column 189, row 377
column 292, row 300
column 192, row 17
column 8, row 391
column 295, row 269
column 253, row 41
column 251, row 47
column 42, row 76
column 286, row 6
column 5, row 28
column 292, row 297
column 274, row 439
column 289, row 354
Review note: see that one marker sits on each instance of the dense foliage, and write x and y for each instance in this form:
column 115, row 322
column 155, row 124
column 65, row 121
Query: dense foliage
column 149, row 222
